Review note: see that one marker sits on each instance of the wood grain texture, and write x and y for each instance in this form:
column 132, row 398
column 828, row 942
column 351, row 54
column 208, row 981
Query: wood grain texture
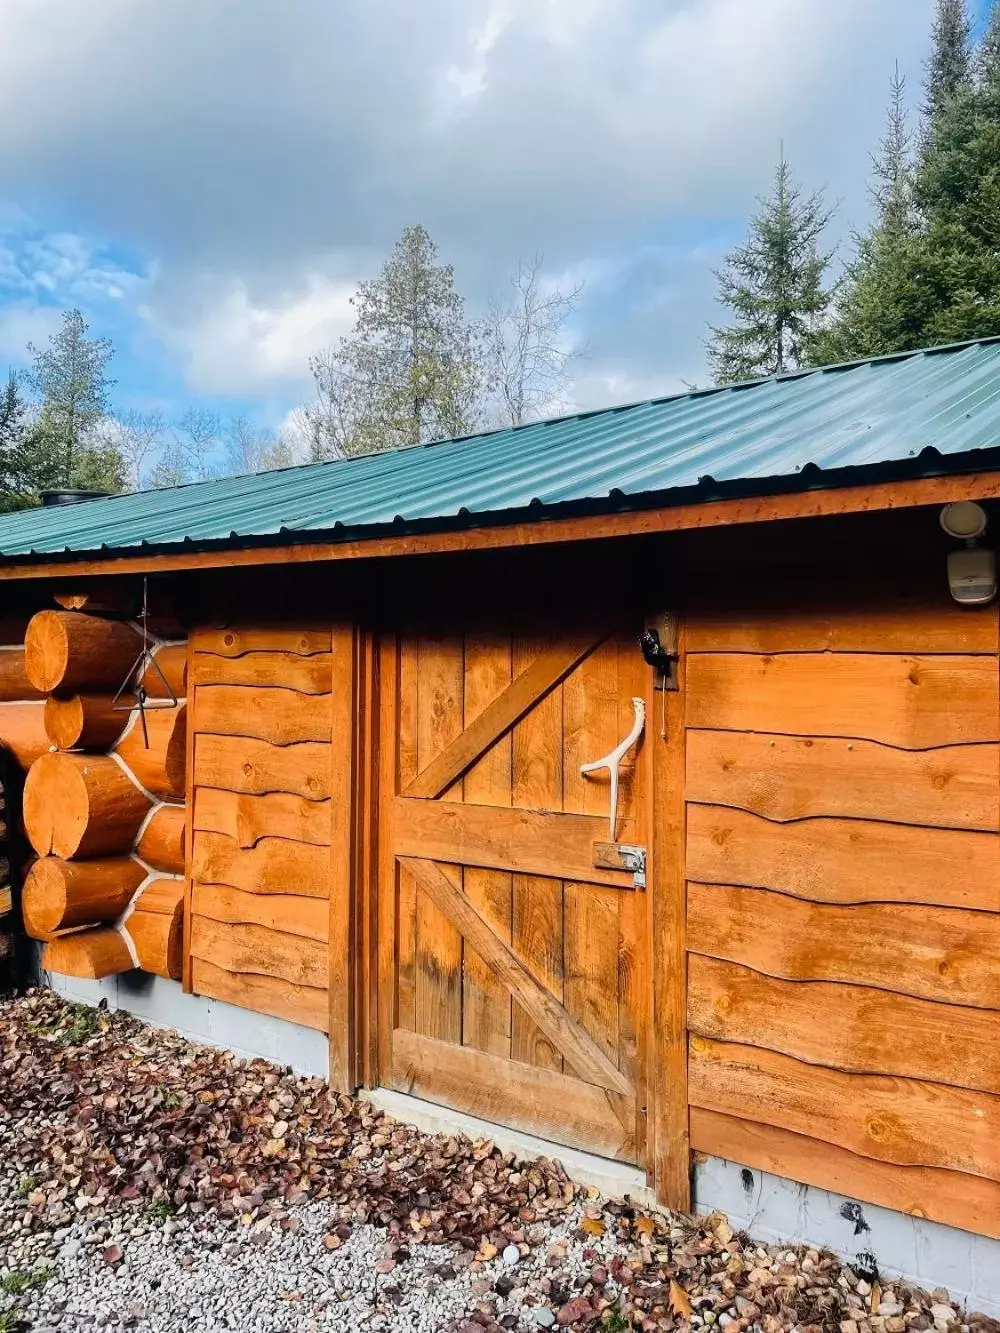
column 22, row 731
column 275, row 865
column 157, row 940
column 262, row 994
column 286, row 912
column 486, row 1002
column 932, row 953
column 84, row 722
column 308, row 675
column 437, row 974
column 280, row 716
column 552, row 665
column 81, row 805
column 255, row 950
column 91, row 954
column 235, row 640
column 566, row 1033
column 846, row 619
column 908, row 701
column 952, row 1197
column 532, row 842
column 61, row 895
column 67, row 652
column 541, row 1101
column 844, row 860
column 14, row 682
column 248, row 818
column 254, row 766
column 157, row 755
column 891, row 1119
column 858, row 1029
column 794, row 777
column 170, row 670
column 161, row 843
column 345, row 727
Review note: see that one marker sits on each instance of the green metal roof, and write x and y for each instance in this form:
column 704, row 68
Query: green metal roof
column 914, row 414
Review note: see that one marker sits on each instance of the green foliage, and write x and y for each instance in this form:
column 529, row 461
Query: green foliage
column 409, row 370
column 160, row 1209
column 25, row 1185
column 949, row 65
column 774, row 286
column 70, row 376
column 16, row 1283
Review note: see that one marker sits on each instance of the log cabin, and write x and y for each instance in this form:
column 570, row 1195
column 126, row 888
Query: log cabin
column 629, row 780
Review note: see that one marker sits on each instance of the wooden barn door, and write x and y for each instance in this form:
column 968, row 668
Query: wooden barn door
column 512, row 970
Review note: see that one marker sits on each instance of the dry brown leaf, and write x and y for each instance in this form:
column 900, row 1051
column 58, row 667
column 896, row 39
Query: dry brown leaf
column 680, row 1302
column 593, row 1226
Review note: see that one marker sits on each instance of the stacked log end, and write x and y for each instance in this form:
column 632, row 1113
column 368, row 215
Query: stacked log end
column 103, row 807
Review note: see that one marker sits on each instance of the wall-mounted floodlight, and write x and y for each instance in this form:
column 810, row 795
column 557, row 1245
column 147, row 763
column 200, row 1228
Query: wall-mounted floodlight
column 972, row 570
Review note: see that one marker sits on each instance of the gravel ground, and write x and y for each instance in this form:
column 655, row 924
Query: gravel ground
column 152, row 1184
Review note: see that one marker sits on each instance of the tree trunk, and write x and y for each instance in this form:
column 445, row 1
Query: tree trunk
column 156, row 927
column 67, row 652
column 89, row 953
column 83, row 722
column 59, row 894
column 161, row 767
column 161, row 844
column 81, row 805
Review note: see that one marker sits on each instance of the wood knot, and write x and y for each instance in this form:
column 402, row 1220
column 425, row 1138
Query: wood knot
column 941, row 780
column 944, row 967
column 720, row 837
column 914, row 676
column 882, row 1127
column 248, row 769
column 229, row 640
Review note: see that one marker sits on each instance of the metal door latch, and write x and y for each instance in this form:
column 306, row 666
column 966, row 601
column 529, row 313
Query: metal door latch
column 622, row 856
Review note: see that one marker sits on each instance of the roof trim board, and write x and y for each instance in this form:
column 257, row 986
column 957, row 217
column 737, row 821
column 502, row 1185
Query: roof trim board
column 849, row 499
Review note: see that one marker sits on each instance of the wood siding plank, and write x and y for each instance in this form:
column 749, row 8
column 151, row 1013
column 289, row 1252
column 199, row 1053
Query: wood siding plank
column 540, row 1101
column 248, row 818
column 264, row 995
column 909, row 701
column 933, row 953
column 254, row 766
column 891, row 1119
column 538, row 842
column 275, row 865
column 258, row 951
column 857, row 1029
column 952, row 1197
column 236, row 640
column 590, row 959
column 285, row 912
column 308, row 675
column 566, row 1034
column 345, row 727
column 844, row 860
column 793, row 777
column 280, row 716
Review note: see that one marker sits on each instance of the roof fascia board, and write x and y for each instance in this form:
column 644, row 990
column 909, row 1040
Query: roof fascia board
column 872, row 497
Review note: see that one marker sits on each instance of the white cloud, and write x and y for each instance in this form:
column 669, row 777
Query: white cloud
column 235, row 343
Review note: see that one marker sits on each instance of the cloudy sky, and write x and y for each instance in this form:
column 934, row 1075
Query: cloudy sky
column 208, row 179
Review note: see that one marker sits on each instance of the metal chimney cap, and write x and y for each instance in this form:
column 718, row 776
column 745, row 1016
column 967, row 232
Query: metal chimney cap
column 67, row 495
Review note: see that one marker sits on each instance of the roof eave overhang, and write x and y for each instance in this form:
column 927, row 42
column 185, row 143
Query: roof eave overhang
column 811, row 493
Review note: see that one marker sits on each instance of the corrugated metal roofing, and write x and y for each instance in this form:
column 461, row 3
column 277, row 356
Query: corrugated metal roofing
column 912, row 414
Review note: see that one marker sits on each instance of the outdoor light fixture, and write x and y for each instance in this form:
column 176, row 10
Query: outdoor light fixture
column 971, row 570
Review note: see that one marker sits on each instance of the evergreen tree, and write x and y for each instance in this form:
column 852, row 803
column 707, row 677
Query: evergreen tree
column 958, row 192
column 14, row 493
column 949, row 65
column 774, row 286
column 71, row 379
column 880, row 306
column 409, row 370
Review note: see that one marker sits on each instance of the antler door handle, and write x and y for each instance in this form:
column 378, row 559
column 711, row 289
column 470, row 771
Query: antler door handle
column 612, row 761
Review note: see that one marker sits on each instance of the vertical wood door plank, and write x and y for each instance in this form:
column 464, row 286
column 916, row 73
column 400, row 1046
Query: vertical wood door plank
column 399, row 768
column 438, row 972
column 486, row 1003
column 390, row 905
column 537, row 930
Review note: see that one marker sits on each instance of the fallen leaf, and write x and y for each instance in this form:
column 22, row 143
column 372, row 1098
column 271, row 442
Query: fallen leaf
column 593, row 1226
column 680, row 1302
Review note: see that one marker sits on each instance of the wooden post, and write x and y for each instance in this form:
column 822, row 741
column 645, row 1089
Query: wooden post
column 343, row 853
column 668, row 1112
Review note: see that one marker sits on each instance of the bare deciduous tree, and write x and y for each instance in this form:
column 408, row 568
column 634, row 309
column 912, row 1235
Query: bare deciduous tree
column 528, row 354
column 135, row 436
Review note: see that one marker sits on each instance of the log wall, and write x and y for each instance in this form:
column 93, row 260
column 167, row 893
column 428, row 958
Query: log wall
column 843, row 919
column 261, row 865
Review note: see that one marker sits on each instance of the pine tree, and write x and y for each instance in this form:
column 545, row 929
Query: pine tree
column 958, row 192
column 14, row 494
column 949, row 65
column 70, row 376
column 409, row 370
column 774, row 286
column 880, row 306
